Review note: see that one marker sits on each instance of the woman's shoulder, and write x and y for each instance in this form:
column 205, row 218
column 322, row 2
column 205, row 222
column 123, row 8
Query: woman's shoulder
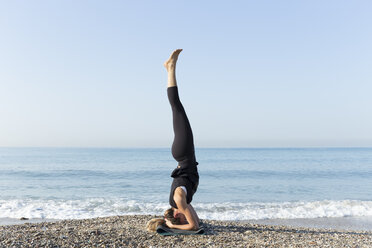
column 180, row 191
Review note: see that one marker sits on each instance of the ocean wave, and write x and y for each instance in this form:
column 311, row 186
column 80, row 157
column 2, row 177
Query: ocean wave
column 101, row 207
column 285, row 210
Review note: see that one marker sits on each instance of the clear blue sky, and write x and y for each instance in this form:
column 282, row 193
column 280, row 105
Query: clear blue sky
column 252, row 73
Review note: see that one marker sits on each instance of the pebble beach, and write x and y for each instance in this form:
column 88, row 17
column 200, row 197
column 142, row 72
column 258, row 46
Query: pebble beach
column 129, row 231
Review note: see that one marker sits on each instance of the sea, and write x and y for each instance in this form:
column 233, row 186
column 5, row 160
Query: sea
column 240, row 184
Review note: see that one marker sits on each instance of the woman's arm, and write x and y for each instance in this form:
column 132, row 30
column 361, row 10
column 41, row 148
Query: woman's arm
column 194, row 213
column 180, row 200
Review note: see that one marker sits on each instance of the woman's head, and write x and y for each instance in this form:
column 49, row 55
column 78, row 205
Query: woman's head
column 174, row 216
column 169, row 215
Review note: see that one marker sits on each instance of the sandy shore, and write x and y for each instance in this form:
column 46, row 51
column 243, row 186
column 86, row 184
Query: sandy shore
column 129, row 231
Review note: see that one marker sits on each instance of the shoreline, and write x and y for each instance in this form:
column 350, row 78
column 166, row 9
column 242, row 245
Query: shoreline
column 335, row 223
column 129, row 231
column 12, row 221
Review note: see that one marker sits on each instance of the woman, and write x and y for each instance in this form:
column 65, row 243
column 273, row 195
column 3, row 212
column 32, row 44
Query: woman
column 185, row 177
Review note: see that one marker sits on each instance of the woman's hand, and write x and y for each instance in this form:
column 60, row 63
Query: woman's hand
column 168, row 223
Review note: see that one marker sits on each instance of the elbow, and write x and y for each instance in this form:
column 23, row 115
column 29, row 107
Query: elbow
column 195, row 227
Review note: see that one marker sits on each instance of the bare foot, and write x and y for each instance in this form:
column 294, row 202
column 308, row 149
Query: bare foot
column 171, row 62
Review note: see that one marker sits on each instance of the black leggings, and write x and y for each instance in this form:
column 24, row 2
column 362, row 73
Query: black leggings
column 183, row 144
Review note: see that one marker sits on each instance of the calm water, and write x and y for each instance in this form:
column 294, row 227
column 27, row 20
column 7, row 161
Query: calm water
column 234, row 184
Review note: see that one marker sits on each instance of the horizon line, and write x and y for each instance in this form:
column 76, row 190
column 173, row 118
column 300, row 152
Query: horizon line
column 164, row 147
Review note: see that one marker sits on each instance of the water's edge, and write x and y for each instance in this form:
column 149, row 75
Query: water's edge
column 337, row 223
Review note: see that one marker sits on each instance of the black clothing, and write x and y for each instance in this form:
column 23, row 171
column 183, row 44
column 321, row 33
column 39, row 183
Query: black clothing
column 186, row 173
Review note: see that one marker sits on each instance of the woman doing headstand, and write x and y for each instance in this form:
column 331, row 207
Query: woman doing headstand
column 185, row 177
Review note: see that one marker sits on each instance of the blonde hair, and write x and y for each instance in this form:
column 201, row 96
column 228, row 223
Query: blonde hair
column 154, row 223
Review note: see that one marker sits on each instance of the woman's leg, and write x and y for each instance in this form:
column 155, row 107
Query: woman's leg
column 183, row 143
